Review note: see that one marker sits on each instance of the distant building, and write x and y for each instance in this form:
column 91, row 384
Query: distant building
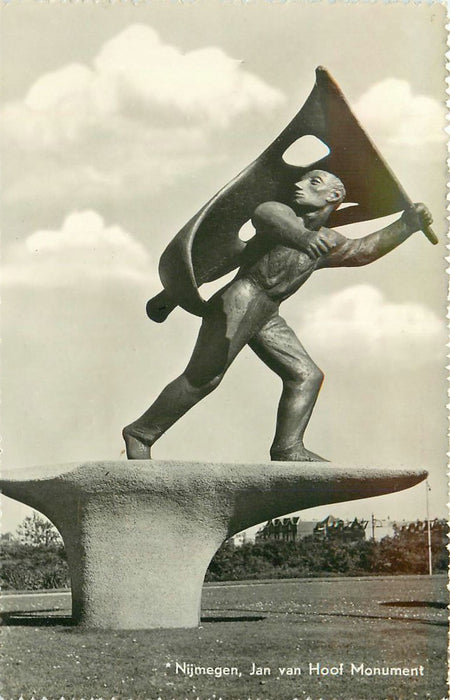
column 380, row 528
column 438, row 528
column 286, row 529
column 345, row 531
column 241, row 538
column 293, row 529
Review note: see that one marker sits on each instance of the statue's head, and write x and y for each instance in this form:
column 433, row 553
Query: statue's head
column 318, row 189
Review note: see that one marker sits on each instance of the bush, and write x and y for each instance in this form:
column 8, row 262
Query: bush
column 26, row 567
column 312, row 556
column 38, row 561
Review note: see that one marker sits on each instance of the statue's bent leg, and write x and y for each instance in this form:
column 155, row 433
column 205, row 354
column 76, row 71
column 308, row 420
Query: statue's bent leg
column 280, row 349
column 204, row 372
column 173, row 402
column 232, row 319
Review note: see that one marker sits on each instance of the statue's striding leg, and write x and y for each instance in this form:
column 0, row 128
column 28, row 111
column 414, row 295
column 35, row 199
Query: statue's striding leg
column 233, row 317
column 279, row 348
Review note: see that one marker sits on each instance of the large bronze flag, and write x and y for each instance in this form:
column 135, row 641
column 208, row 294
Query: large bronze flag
column 208, row 246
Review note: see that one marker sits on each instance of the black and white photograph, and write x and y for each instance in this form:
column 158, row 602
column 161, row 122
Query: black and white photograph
column 224, row 338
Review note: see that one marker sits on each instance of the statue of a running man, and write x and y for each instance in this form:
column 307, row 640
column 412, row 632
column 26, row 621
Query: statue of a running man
column 291, row 242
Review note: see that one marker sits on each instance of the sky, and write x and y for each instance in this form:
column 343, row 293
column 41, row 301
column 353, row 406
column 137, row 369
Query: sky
column 118, row 123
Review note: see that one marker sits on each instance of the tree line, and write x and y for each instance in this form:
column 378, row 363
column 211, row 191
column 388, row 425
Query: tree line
column 34, row 557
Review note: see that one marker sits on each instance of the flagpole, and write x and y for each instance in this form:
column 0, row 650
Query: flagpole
column 430, row 560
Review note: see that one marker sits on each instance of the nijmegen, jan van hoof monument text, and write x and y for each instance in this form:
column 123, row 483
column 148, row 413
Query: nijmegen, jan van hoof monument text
column 310, row 668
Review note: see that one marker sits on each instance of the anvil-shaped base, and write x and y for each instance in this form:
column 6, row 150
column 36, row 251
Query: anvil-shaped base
column 139, row 535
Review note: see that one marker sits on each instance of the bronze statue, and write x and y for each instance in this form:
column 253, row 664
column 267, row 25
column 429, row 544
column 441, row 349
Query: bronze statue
column 290, row 243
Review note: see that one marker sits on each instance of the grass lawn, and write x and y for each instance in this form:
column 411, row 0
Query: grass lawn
column 379, row 622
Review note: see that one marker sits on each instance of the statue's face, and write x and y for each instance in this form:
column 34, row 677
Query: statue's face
column 316, row 190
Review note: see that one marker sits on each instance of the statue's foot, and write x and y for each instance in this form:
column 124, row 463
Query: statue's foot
column 136, row 449
column 296, row 454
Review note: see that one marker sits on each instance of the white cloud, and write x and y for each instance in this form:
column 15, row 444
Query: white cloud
column 395, row 115
column 201, row 85
column 65, row 87
column 83, row 250
column 358, row 321
column 118, row 162
column 137, row 77
column 137, row 119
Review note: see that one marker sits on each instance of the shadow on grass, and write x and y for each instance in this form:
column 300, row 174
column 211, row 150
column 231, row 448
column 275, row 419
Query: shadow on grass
column 26, row 618
column 20, row 618
column 360, row 616
column 416, row 604
column 391, row 618
column 233, row 618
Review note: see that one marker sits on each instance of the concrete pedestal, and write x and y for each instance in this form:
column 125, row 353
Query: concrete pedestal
column 139, row 535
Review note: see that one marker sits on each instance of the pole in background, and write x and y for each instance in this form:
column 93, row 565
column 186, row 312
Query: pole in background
column 430, row 561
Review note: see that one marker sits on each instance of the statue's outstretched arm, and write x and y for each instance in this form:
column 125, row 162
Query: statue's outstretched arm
column 363, row 251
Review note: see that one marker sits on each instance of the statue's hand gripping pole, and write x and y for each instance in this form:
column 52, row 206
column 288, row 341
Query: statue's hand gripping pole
column 420, row 219
column 430, row 234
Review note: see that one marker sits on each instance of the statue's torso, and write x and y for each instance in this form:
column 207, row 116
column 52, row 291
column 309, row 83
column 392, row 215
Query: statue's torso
column 276, row 269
